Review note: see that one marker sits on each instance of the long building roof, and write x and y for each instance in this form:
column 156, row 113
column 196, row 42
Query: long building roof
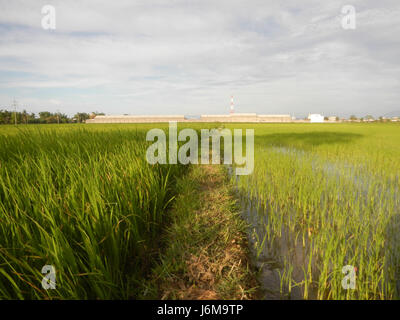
column 140, row 116
column 236, row 117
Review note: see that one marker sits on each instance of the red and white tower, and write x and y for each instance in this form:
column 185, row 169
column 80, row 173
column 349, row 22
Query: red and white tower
column 232, row 110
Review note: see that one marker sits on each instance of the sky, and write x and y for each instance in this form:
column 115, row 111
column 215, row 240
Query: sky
column 189, row 57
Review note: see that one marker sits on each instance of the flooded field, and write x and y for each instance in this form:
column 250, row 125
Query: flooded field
column 314, row 208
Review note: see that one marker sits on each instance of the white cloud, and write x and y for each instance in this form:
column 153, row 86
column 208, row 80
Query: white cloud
column 190, row 56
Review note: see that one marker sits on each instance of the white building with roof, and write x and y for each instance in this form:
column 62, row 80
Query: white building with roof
column 316, row 118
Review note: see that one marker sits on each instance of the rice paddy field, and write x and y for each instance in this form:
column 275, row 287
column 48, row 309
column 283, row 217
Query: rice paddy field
column 322, row 197
column 84, row 199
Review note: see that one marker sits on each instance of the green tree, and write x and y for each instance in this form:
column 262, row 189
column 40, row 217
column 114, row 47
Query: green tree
column 81, row 117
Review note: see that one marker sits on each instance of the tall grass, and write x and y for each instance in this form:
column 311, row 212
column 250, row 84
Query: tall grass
column 83, row 200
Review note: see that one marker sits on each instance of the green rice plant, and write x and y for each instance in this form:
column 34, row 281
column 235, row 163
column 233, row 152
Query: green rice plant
column 336, row 190
column 84, row 200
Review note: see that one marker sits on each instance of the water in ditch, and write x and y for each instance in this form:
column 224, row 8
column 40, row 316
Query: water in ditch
column 269, row 255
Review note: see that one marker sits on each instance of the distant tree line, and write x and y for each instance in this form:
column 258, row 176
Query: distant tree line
column 24, row 117
column 370, row 118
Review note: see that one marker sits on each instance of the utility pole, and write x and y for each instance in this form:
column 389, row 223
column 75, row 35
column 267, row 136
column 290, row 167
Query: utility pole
column 58, row 116
column 15, row 111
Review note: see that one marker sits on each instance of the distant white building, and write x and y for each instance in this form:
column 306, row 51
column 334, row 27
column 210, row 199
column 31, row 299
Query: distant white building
column 316, row 118
column 332, row 119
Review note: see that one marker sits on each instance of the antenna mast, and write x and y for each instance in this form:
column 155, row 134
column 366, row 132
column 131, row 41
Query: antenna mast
column 232, row 110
